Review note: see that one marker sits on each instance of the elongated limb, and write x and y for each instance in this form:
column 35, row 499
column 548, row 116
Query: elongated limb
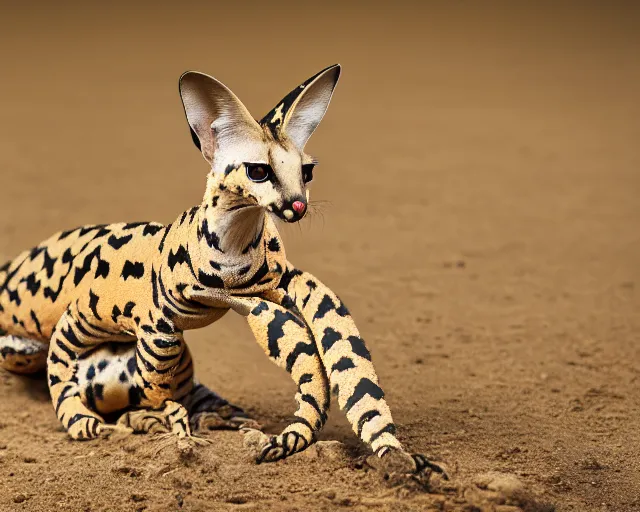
column 72, row 338
column 22, row 355
column 285, row 339
column 163, row 373
column 348, row 365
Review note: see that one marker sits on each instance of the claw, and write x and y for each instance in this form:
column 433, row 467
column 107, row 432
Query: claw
column 423, row 463
column 398, row 462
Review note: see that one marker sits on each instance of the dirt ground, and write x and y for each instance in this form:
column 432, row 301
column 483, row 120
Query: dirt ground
column 480, row 177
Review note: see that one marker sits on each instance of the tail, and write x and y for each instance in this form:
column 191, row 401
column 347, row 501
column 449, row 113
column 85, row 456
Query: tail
column 346, row 360
column 4, row 277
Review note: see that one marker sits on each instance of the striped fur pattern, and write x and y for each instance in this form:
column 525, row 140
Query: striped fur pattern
column 104, row 308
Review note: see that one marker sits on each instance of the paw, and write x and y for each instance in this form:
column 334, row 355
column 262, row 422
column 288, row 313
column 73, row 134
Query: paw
column 394, row 461
column 114, row 432
column 225, row 418
column 273, row 448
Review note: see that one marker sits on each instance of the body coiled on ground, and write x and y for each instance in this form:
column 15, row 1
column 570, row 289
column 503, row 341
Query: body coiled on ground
column 104, row 308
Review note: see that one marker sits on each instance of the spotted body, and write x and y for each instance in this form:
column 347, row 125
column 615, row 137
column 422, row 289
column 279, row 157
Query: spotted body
column 104, row 307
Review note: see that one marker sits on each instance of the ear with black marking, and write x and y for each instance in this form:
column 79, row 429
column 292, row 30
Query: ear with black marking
column 217, row 118
column 300, row 111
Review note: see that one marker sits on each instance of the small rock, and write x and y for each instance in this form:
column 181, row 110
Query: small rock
column 505, row 483
column 330, row 450
column 330, row 495
column 20, row 498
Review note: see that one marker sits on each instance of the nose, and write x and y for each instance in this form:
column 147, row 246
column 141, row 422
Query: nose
column 299, row 207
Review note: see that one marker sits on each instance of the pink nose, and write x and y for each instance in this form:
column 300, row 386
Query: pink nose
column 299, row 206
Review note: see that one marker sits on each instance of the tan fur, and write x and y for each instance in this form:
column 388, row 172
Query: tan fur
column 111, row 303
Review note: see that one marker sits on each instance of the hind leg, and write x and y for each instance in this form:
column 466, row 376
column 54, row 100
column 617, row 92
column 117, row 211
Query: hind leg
column 209, row 411
column 22, row 355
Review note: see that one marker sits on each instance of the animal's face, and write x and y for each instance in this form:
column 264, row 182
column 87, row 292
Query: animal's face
column 262, row 163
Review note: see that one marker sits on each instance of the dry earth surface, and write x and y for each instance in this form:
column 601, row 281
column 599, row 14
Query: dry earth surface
column 480, row 167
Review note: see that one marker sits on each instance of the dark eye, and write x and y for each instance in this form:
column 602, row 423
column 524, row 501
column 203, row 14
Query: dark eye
column 307, row 172
column 258, row 172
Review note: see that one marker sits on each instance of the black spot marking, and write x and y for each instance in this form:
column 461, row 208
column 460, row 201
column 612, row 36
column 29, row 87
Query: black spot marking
column 255, row 243
column 36, row 321
column 192, row 213
column 132, row 225
column 164, row 237
column 287, row 276
column 358, row 347
column 101, row 271
column 179, row 257
column 123, row 377
column 91, row 372
column 88, row 229
column 210, row 236
column 33, row 285
column 390, row 428
column 65, row 234
column 48, row 264
column 128, row 309
column 134, row 269
column 115, row 314
column 275, row 330
column 210, row 280
column 102, row 365
column 163, row 326
column 299, row 349
column 274, row 245
column 326, row 305
column 330, row 337
column 260, row 273
column 154, row 285
column 151, row 229
column 363, row 388
column 118, row 243
column 367, row 416
column 305, row 379
column 343, row 364
column 263, row 306
column 93, row 304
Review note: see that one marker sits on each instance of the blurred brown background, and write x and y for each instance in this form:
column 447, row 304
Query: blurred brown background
column 481, row 166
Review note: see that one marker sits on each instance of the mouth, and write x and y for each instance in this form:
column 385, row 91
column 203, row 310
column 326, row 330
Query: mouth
column 291, row 211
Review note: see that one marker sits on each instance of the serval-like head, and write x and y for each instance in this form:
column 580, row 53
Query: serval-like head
column 261, row 163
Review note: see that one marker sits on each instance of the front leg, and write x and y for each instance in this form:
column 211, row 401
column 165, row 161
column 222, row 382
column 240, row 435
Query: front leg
column 286, row 340
column 160, row 357
column 348, row 365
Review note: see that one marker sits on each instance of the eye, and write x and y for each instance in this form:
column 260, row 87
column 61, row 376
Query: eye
column 307, row 172
column 258, row 172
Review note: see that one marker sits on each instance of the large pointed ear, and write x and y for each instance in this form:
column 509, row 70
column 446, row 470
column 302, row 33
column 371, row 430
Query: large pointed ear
column 300, row 111
column 217, row 118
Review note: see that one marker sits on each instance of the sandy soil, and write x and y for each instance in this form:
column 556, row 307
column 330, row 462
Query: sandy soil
column 481, row 170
